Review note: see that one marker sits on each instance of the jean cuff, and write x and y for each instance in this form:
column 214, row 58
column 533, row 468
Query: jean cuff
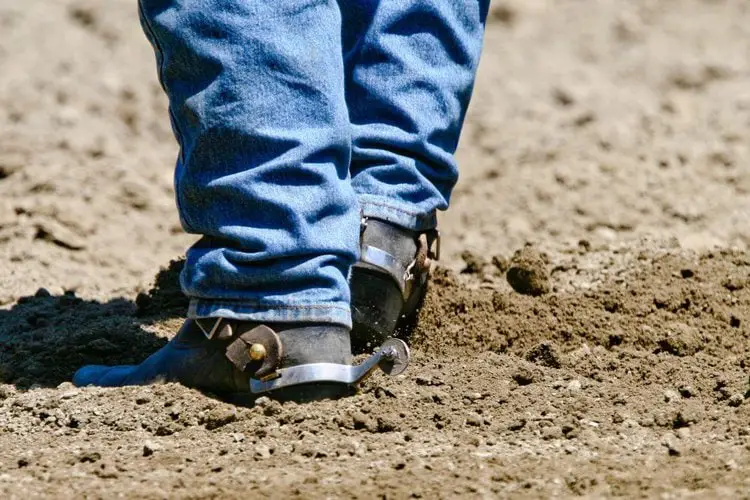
column 336, row 313
column 400, row 214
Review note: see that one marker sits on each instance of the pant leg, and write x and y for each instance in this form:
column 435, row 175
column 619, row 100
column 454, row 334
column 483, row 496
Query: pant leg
column 410, row 68
column 257, row 104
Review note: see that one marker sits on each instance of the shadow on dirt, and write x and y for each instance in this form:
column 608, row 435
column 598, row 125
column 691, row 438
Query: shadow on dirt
column 44, row 339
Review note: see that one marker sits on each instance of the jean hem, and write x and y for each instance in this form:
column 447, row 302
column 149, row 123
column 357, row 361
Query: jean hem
column 339, row 314
column 402, row 215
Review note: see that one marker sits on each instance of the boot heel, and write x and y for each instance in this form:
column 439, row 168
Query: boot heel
column 376, row 308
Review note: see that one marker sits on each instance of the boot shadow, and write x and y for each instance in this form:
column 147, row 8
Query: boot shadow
column 44, row 339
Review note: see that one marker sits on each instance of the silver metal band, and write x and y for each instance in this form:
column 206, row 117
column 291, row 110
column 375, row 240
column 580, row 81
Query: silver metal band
column 392, row 358
column 380, row 258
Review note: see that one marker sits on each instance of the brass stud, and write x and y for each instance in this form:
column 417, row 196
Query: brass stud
column 257, row 352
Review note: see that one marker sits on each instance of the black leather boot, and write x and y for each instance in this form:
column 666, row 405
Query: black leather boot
column 389, row 282
column 217, row 356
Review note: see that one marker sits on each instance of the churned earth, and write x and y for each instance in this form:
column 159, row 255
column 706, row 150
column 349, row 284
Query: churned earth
column 586, row 335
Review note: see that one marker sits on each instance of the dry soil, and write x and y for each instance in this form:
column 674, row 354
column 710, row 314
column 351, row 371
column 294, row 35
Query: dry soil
column 604, row 175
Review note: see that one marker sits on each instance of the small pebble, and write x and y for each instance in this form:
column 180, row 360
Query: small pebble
column 474, row 420
column 686, row 391
column 736, row 400
column 673, row 448
column 149, row 447
column 574, row 385
column 517, row 425
column 69, row 394
column 683, row 433
column 361, row 421
column 670, row 396
column 7, row 391
column 262, row 452
column 523, row 376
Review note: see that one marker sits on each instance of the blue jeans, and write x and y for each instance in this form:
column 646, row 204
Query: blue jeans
column 295, row 118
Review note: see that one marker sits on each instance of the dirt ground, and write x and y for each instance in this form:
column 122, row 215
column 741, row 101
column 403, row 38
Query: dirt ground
column 604, row 173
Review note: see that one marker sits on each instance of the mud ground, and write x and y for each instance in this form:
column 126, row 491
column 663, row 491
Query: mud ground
column 604, row 175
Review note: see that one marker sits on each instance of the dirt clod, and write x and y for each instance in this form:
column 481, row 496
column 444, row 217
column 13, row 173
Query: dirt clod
column 736, row 400
column 544, row 354
column 474, row 262
column 524, row 376
column 527, row 273
column 681, row 340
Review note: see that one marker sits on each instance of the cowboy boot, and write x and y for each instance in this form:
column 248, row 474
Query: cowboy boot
column 389, row 282
column 217, row 356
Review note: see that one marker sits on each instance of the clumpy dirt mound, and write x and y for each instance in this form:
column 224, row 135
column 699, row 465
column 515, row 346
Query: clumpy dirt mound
column 675, row 303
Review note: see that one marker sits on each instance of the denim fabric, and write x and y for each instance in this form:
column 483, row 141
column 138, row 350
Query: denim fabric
column 274, row 103
column 410, row 69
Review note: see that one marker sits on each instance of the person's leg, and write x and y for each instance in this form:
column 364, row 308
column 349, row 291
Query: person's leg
column 262, row 173
column 410, row 68
column 257, row 104
column 409, row 77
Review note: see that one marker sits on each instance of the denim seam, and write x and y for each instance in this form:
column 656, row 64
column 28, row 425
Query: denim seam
column 331, row 313
column 393, row 207
column 157, row 46
column 261, row 305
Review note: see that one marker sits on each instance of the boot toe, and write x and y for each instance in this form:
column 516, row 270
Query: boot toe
column 103, row 376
